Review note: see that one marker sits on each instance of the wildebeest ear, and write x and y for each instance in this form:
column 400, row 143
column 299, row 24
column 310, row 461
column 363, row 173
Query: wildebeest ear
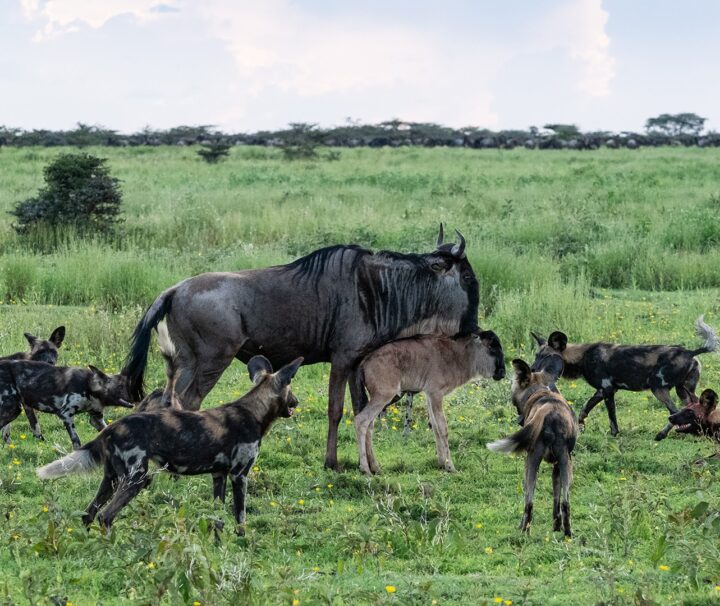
column 286, row 373
column 522, row 371
column 441, row 236
column 558, row 340
column 30, row 339
column 489, row 338
column 257, row 367
column 458, row 250
column 709, row 400
column 538, row 339
column 97, row 372
column 57, row 336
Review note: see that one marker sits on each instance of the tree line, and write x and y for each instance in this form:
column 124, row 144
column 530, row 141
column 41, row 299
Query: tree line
column 685, row 129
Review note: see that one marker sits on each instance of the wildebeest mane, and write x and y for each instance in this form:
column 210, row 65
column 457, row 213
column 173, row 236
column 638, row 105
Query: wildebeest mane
column 316, row 264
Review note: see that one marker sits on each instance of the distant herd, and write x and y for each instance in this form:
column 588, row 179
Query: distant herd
column 390, row 324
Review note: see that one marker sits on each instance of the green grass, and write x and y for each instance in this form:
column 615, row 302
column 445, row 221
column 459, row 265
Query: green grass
column 614, row 245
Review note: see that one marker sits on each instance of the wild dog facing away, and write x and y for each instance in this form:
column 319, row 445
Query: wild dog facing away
column 63, row 391
column 700, row 417
column 549, row 432
column 41, row 350
column 220, row 441
column 434, row 365
column 609, row 368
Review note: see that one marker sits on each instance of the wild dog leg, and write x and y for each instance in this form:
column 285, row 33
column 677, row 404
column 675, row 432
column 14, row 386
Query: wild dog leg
column 408, row 413
column 33, row 421
column 610, row 406
column 67, row 420
column 219, row 486
column 104, row 493
column 557, row 488
column 589, row 405
column 566, row 479
column 532, row 464
column 440, row 429
column 97, row 421
column 128, row 488
column 9, row 411
column 336, row 399
column 663, row 394
column 239, row 486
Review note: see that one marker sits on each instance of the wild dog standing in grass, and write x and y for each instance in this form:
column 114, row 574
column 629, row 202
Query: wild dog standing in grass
column 434, row 365
column 41, row 350
column 700, row 417
column 608, row 368
column 220, row 441
column 549, row 432
column 63, row 391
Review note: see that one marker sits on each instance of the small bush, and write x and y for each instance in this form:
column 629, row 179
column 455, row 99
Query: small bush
column 79, row 192
column 212, row 153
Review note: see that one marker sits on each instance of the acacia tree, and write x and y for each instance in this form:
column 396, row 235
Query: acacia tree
column 674, row 125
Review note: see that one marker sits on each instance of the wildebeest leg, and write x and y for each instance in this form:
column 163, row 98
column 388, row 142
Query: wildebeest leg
column 557, row 516
column 33, row 421
column 9, row 411
column 97, row 421
column 440, row 429
column 67, row 420
column 408, row 413
column 192, row 377
column 663, row 433
column 219, row 485
column 103, row 495
column 336, row 399
column 532, row 464
column 663, row 394
column 363, row 431
column 239, row 486
column 589, row 405
column 128, row 489
column 610, row 405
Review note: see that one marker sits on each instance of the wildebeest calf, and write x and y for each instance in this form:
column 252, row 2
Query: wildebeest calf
column 41, row 350
column 220, row 441
column 608, row 368
column 434, row 365
column 549, row 432
column 700, row 417
column 63, row 391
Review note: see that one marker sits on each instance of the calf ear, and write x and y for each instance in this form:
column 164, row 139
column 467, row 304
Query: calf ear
column 538, row 339
column 57, row 337
column 258, row 366
column 709, row 400
column 97, row 372
column 30, row 339
column 286, row 373
column 558, row 340
column 522, row 372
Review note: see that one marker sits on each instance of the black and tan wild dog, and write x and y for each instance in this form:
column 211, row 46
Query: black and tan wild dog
column 549, row 432
column 63, row 391
column 700, row 417
column 219, row 441
column 41, row 350
column 608, row 368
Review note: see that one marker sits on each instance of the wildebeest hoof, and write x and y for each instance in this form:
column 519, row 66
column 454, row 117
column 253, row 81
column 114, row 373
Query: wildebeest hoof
column 240, row 530
column 449, row 467
column 364, row 469
column 87, row 519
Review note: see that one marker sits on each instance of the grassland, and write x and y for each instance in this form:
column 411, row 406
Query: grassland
column 612, row 245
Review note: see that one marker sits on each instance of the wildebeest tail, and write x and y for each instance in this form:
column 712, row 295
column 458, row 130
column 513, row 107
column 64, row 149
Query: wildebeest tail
column 517, row 442
column 83, row 460
column 134, row 368
column 705, row 332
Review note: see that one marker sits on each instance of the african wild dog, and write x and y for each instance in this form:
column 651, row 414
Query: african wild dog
column 63, row 391
column 549, row 432
column 220, row 441
column 40, row 351
column 434, row 365
column 700, row 417
column 608, row 368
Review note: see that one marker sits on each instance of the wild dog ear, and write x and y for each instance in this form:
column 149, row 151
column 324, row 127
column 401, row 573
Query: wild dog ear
column 97, row 372
column 709, row 400
column 57, row 336
column 441, row 236
column 257, row 367
column 286, row 373
column 522, row 372
column 558, row 340
column 538, row 339
column 30, row 339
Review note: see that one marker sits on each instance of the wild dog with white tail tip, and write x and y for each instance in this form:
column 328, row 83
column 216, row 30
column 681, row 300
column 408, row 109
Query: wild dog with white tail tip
column 549, row 432
column 219, row 441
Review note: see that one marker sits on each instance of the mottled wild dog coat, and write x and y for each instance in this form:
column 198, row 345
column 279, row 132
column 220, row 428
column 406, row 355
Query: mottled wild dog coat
column 63, row 391
column 334, row 305
column 700, row 417
column 434, row 365
column 41, row 350
column 220, row 441
column 549, row 432
column 608, row 368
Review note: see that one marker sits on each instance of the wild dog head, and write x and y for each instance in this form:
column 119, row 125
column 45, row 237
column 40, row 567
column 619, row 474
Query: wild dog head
column 109, row 390
column 694, row 417
column 279, row 399
column 489, row 356
column 46, row 351
column 526, row 382
column 549, row 356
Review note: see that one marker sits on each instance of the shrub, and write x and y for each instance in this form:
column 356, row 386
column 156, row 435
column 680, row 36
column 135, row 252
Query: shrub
column 214, row 152
column 78, row 192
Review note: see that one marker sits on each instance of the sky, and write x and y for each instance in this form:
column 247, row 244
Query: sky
column 247, row 66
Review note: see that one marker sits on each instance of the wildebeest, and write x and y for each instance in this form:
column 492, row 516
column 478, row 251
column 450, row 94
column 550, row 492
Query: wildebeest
column 41, row 350
column 335, row 305
column 220, row 441
column 63, row 391
column 700, row 417
column 549, row 432
column 608, row 368
column 434, row 365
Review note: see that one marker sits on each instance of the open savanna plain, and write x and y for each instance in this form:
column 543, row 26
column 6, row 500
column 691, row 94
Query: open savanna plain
column 621, row 246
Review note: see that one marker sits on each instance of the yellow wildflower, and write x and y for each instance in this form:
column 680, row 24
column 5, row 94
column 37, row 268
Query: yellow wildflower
column 151, row 565
column 390, row 588
column 488, row 550
column 664, row 568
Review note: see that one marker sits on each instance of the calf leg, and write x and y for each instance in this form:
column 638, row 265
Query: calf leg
column 663, row 394
column 408, row 413
column 532, row 464
column 610, row 406
column 103, row 495
column 219, row 486
column 336, row 399
column 363, row 433
column 440, row 429
column 589, row 405
column 128, row 489
column 370, row 452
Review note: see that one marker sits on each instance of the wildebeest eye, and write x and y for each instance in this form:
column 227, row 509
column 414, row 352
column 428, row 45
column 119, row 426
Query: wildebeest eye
column 437, row 266
column 467, row 276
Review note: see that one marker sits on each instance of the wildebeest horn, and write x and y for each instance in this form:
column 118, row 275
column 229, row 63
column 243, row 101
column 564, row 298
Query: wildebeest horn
column 459, row 249
column 441, row 236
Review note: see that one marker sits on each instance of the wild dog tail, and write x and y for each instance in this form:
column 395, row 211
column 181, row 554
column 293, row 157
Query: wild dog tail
column 134, row 368
column 83, row 460
column 517, row 442
column 705, row 332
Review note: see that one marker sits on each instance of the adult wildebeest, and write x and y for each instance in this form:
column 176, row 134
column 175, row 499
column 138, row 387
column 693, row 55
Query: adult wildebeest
column 335, row 305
